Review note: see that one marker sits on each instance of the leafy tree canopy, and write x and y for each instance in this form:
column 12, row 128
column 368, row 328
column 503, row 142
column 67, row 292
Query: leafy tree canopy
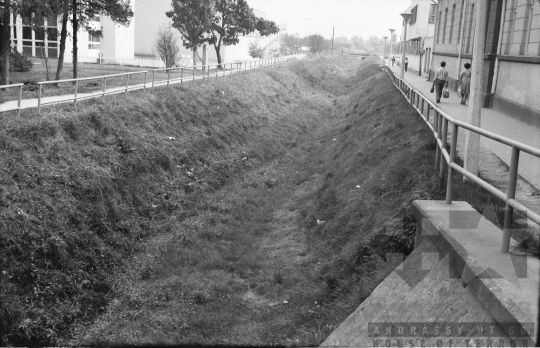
column 193, row 19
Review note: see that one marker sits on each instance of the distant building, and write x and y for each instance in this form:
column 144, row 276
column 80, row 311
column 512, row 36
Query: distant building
column 419, row 40
column 511, row 76
column 131, row 45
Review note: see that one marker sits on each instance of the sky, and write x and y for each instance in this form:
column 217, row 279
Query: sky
column 363, row 18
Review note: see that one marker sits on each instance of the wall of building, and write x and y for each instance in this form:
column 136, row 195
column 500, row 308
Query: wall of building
column 518, row 84
column 514, row 90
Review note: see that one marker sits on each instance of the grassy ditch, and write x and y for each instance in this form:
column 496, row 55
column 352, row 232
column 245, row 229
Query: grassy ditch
column 255, row 210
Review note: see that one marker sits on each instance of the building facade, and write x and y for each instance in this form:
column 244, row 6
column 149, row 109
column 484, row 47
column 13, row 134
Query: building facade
column 511, row 76
column 419, row 40
column 132, row 44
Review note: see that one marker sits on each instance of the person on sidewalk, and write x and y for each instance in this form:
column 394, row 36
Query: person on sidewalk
column 393, row 60
column 406, row 63
column 440, row 81
column 465, row 82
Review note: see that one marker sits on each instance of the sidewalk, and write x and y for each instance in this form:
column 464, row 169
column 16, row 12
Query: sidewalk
column 493, row 121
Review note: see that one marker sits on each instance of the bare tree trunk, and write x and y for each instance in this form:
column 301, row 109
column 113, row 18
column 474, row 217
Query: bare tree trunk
column 75, row 29
column 6, row 45
column 195, row 57
column 63, row 35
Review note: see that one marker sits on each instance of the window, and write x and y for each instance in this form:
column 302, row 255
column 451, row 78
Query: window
column 413, row 17
column 452, row 23
column 524, row 49
column 444, row 28
column 433, row 13
column 461, row 11
column 93, row 40
column 439, row 27
column 471, row 31
column 511, row 27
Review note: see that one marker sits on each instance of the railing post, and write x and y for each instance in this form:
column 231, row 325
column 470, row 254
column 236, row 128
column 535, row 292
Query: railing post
column 76, row 92
column 422, row 106
column 444, row 134
column 104, row 88
column 411, row 98
column 127, row 84
column 510, row 194
column 19, row 102
column 193, row 80
column 153, row 80
column 168, row 77
column 145, row 78
column 181, row 75
column 39, row 100
column 450, row 181
column 427, row 112
column 437, row 135
column 208, row 68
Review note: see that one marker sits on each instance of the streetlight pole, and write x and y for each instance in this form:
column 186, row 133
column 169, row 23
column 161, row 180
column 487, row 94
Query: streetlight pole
column 384, row 48
column 391, row 33
column 406, row 17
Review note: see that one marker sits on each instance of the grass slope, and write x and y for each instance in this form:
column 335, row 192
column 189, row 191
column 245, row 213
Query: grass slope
column 191, row 217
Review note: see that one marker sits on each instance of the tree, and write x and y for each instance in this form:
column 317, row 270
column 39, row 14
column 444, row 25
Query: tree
column 33, row 12
column 234, row 18
column 166, row 46
column 83, row 11
column 193, row 19
column 5, row 44
column 316, row 43
column 358, row 42
column 255, row 50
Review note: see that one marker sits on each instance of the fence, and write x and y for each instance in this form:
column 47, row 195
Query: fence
column 19, row 98
column 440, row 129
column 235, row 67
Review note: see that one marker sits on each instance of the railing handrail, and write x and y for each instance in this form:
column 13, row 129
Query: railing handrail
column 12, row 85
column 92, row 77
column 440, row 131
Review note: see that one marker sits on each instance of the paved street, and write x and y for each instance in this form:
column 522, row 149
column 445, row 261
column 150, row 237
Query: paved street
column 493, row 121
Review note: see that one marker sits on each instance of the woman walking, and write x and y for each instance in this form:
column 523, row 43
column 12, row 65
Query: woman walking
column 440, row 81
column 465, row 83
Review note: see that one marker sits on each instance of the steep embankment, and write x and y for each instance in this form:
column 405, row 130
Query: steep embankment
column 248, row 211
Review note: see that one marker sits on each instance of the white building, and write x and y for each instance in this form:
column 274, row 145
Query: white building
column 420, row 32
column 131, row 45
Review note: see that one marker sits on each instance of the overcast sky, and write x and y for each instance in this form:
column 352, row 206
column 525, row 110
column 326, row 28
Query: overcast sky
column 350, row 17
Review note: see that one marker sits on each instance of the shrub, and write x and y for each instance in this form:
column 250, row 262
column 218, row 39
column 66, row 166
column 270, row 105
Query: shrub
column 19, row 62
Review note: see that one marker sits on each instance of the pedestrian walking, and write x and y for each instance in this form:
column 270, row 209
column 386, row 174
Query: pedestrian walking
column 406, row 63
column 393, row 60
column 465, row 83
column 440, row 81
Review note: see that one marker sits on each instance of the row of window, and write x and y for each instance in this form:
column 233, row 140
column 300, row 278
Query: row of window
column 518, row 26
column 45, row 38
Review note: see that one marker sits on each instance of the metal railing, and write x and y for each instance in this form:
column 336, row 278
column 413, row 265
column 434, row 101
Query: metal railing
column 102, row 94
column 19, row 97
column 440, row 129
column 220, row 70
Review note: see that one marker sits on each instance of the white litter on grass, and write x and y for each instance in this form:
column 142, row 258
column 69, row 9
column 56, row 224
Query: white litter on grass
column 334, row 139
column 172, row 138
column 285, row 302
column 357, row 186
column 320, row 222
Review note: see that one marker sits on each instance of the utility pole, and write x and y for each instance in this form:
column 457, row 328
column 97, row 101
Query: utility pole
column 472, row 142
column 406, row 17
column 384, row 47
column 332, row 40
column 391, row 37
